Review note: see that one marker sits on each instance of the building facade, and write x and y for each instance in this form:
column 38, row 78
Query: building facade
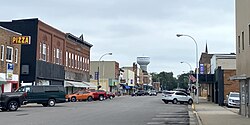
column 108, row 74
column 227, row 62
column 53, row 57
column 9, row 60
column 242, row 53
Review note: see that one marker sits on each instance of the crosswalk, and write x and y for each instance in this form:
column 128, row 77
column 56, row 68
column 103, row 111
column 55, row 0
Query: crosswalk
column 180, row 117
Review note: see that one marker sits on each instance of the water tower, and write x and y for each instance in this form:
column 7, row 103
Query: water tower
column 143, row 62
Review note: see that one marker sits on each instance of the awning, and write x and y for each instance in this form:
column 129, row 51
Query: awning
column 90, row 85
column 2, row 81
column 240, row 77
column 127, row 87
column 75, row 84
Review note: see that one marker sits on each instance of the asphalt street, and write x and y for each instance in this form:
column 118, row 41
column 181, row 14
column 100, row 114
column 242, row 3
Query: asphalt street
column 125, row 110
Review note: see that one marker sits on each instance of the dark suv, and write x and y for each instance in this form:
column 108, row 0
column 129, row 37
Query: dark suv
column 11, row 101
column 45, row 95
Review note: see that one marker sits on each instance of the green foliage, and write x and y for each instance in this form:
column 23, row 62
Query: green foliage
column 166, row 79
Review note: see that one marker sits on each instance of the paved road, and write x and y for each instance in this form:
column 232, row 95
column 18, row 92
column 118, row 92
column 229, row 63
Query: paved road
column 124, row 110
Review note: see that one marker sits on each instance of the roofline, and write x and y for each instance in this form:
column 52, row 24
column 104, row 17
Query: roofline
column 68, row 35
column 10, row 30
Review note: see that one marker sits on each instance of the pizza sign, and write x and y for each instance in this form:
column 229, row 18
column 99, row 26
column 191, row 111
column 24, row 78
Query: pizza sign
column 21, row 39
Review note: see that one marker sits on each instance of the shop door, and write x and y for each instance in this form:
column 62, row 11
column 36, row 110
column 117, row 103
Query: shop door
column 14, row 87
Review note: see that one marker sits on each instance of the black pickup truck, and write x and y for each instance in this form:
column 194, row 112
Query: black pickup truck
column 11, row 100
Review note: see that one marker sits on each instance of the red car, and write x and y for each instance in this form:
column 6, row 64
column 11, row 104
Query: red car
column 99, row 94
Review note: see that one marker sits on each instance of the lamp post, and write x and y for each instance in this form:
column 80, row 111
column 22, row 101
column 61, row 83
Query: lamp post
column 188, row 65
column 197, row 61
column 98, row 69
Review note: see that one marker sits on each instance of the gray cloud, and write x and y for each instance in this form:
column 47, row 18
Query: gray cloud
column 131, row 28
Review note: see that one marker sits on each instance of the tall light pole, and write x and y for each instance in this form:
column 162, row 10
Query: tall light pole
column 197, row 63
column 98, row 69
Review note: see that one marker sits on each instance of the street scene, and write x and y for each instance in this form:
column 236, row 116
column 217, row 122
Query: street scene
column 125, row 62
column 123, row 110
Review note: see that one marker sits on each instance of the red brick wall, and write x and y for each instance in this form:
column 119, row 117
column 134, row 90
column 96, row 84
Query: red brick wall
column 54, row 39
column 230, row 86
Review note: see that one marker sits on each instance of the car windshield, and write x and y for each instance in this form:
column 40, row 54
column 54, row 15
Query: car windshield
column 23, row 89
column 234, row 95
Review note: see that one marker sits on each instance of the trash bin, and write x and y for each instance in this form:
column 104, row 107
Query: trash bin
column 208, row 97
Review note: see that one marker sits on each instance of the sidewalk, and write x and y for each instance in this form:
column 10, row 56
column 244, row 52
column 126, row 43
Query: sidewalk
column 209, row 113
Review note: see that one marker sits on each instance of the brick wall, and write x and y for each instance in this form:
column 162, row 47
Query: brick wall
column 5, row 39
column 230, row 86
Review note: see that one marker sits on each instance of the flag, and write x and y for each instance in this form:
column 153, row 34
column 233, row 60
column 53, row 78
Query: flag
column 192, row 78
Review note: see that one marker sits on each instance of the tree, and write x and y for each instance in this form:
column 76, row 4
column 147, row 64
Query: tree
column 166, row 79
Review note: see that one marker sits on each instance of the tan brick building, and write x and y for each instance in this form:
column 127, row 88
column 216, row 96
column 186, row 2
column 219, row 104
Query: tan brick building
column 9, row 60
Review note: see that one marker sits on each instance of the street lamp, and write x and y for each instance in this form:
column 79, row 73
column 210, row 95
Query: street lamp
column 98, row 69
column 197, row 61
column 188, row 65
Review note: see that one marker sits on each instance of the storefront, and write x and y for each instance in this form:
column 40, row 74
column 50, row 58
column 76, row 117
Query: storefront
column 8, row 85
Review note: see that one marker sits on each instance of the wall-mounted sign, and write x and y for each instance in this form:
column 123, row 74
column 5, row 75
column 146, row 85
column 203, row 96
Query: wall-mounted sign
column 21, row 39
column 9, row 74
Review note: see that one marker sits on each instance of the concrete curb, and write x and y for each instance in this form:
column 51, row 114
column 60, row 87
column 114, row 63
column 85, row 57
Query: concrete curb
column 197, row 115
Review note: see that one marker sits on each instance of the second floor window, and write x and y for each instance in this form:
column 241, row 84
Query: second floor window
column 44, row 52
column 16, row 55
column 9, row 54
column 2, row 52
column 66, row 59
column 57, row 56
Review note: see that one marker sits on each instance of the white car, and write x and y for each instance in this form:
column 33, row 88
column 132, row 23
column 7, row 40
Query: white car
column 233, row 99
column 152, row 92
column 176, row 96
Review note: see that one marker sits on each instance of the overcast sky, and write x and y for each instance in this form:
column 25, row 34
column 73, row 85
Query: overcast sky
column 132, row 28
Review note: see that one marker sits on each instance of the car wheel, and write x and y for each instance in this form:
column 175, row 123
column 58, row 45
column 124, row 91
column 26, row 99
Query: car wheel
column 73, row 99
column 45, row 104
column 166, row 102
column 101, row 98
column 51, row 102
column 13, row 105
column 190, row 101
column 111, row 97
column 175, row 101
column 90, row 99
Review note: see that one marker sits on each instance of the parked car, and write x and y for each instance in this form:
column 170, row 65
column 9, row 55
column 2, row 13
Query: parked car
column 11, row 101
column 80, row 96
column 140, row 93
column 110, row 95
column 152, row 92
column 99, row 94
column 47, row 95
column 175, row 97
column 233, row 99
column 183, row 90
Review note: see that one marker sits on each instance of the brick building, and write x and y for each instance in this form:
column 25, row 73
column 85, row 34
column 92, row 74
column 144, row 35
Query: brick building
column 53, row 57
column 9, row 60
